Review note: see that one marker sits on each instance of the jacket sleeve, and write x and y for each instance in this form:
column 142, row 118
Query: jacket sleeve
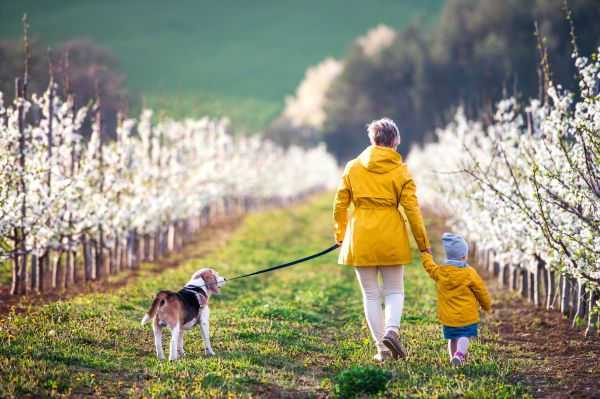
column 408, row 199
column 342, row 202
column 478, row 288
column 430, row 266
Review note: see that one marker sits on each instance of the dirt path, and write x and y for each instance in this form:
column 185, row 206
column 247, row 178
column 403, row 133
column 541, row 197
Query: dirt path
column 207, row 241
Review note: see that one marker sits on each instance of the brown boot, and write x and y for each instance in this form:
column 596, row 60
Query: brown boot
column 393, row 344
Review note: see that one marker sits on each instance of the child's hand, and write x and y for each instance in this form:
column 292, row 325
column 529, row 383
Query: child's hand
column 427, row 251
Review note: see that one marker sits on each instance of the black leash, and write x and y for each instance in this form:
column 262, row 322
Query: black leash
column 275, row 267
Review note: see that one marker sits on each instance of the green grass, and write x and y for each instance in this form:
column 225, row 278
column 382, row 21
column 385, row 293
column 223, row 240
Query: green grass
column 289, row 333
column 231, row 49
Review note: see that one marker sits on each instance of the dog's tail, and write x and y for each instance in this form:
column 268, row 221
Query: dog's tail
column 159, row 300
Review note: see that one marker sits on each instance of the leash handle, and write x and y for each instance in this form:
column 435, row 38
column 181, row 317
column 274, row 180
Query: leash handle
column 335, row 246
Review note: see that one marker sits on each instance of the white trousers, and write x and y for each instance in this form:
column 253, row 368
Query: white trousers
column 392, row 278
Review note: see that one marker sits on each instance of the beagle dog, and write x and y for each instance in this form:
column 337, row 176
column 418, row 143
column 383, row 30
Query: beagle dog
column 181, row 311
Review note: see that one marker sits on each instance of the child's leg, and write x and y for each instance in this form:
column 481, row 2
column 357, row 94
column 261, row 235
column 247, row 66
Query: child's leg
column 452, row 346
column 462, row 345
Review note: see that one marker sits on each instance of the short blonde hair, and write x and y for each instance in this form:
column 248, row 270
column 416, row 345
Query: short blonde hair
column 383, row 132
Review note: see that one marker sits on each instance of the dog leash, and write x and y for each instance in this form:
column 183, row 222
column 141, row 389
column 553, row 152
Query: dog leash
column 275, row 267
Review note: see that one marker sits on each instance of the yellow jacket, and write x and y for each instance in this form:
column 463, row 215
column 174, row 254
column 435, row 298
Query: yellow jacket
column 377, row 182
column 459, row 289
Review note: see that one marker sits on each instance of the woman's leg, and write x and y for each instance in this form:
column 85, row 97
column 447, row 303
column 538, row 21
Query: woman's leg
column 392, row 278
column 368, row 278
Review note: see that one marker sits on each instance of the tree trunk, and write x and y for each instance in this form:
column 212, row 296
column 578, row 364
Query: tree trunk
column 23, row 287
column 130, row 249
column 14, row 290
column 170, row 237
column 175, row 237
column 574, row 297
column 523, row 286
column 151, row 242
column 514, row 277
column 531, row 281
column 565, row 295
column 34, row 271
column 592, row 328
column 181, row 235
column 581, row 303
column 41, row 265
column 68, row 266
column 136, row 249
column 147, row 240
column 503, row 274
column 141, row 252
column 73, row 275
column 58, row 272
column 87, row 262
column 111, row 262
column 94, row 259
column 48, row 270
column 206, row 215
column 538, row 283
column 551, row 288
column 65, row 269
column 118, row 255
column 500, row 274
column 124, row 253
column 545, row 280
column 100, row 264
column 161, row 241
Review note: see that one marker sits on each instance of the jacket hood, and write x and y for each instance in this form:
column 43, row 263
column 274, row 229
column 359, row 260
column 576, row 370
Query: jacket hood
column 379, row 159
column 451, row 276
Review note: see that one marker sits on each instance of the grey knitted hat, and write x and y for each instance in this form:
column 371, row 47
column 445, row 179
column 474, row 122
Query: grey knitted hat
column 455, row 246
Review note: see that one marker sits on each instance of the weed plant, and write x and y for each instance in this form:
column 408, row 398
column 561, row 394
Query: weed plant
column 361, row 380
column 284, row 334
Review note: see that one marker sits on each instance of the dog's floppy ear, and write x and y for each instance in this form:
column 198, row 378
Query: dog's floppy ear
column 210, row 278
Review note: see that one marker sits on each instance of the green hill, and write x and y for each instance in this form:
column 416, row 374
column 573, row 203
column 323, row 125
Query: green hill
column 237, row 57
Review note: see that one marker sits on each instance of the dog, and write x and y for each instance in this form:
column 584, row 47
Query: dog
column 181, row 311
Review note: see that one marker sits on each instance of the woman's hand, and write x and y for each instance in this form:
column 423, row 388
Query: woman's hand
column 428, row 251
column 339, row 243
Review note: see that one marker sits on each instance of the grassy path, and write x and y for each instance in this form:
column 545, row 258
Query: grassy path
column 285, row 334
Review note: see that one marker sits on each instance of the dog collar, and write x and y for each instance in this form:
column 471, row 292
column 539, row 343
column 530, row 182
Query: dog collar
column 196, row 288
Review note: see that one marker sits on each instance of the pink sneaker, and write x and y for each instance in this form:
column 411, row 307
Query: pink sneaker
column 458, row 359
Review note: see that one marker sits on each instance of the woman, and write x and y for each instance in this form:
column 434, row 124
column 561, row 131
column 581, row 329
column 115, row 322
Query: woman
column 376, row 240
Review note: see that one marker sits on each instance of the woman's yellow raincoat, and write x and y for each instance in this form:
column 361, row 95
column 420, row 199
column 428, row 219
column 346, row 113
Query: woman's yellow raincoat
column 377, row 182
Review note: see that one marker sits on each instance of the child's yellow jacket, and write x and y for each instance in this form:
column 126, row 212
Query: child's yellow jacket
column 459, row 289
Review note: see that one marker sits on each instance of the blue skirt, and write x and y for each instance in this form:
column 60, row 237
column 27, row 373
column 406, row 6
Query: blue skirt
column 459, row 332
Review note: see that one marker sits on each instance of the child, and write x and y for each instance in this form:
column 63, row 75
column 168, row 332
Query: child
column 459, row 290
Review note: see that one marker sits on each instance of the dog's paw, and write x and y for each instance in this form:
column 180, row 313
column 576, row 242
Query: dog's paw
column 161, row 357
column 209, row 351
column 172, row 358
column 180, row 354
